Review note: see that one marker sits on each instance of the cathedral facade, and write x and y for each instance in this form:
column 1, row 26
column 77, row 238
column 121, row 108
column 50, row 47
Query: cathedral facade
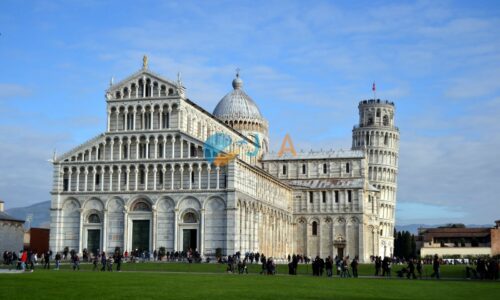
column 167, row 173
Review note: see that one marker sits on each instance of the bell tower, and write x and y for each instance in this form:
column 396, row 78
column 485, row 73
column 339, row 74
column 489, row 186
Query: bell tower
column 377, row 135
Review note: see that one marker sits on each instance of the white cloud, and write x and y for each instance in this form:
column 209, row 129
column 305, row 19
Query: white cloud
column 11, row 90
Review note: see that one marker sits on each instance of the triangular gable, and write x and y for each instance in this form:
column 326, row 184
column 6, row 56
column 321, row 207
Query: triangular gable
column 139, row 75
column 86, row 145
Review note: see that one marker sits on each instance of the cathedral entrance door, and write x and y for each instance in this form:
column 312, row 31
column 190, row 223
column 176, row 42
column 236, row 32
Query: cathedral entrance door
column 93, row 240
column 140, row 235
column 340, row 252
column 189, row 239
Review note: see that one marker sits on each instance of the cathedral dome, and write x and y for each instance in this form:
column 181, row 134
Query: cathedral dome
column 237, row 104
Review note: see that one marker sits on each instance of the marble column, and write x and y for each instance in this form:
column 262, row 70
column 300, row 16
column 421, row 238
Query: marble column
column 80, row 237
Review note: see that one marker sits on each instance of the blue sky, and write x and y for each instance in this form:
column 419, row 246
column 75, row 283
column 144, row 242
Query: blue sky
column 306, row 63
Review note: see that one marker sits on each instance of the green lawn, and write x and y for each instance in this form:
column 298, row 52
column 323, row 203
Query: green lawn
column 210, row 281
column 65, row 284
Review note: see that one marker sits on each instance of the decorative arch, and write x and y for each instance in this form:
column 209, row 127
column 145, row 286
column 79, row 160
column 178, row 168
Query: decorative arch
column 93, row 217
column 189, row 217
column 165, row 204
column 189, row 202
column 214, row 202
column 71, row 204
column 141, row 205
column 93, row 203
column 145, row 198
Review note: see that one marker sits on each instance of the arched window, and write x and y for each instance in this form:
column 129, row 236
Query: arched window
column 170, row 91
column 148, row 87
column 125, row 151
column 189, row 218
column 304, row 169
column 166, row 120
column 367, row 142
column 325, row 167
column 140, row 88
column 386, row 140
column 347, row 167
column 386, row 120
column 284, row 170
column 94, row 218
column 315, row 228
column 142, row 176
column 141, row 206
column 160, row 150
column 133, row 90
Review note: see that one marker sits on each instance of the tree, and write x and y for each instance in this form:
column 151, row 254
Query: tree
column 404, row 244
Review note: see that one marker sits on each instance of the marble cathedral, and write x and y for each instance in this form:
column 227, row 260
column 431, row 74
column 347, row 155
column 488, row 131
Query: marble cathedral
column 151, row 180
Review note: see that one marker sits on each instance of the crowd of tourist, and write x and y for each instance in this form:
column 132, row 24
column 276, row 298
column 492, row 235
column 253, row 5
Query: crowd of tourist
column 343, row 267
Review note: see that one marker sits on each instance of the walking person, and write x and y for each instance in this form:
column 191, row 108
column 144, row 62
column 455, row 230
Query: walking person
column 103, row 261
column 46, row 260
column 58, row 261
column 95, row 261
column 411, row 270
column 118, row 261
column 31, row 260
column 329, row 266
column 76, row 262
column 354, row 267
column 378, row 265
column 419, row 268
column 24, row 259
column 110, row 263
column 435, row 267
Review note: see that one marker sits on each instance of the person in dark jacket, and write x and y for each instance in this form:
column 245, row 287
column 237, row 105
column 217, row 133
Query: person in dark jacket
column 386, row 267
column 354, row 267
column 378, row 265
column 58, row 260
column 103, row 261
column 419, row 268
column 329, row 266
column 435, row 267
column 76, row 262
column 46, row 260
column 411, row 269
column 95, row 262
column 295, row 263
column 118, row 261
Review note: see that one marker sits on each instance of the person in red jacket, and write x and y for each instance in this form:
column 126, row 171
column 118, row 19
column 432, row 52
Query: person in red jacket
column 24, row 259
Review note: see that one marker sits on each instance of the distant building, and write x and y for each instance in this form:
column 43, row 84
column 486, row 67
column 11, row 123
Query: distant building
column 453, row 241
column 37, row 239
column 11, row 232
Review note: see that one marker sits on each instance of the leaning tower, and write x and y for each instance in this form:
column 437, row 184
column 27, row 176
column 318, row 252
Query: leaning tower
column 377, row 135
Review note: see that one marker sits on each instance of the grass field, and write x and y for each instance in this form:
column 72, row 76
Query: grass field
column 66, row 284
column 447, row 271
column 209, row 281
